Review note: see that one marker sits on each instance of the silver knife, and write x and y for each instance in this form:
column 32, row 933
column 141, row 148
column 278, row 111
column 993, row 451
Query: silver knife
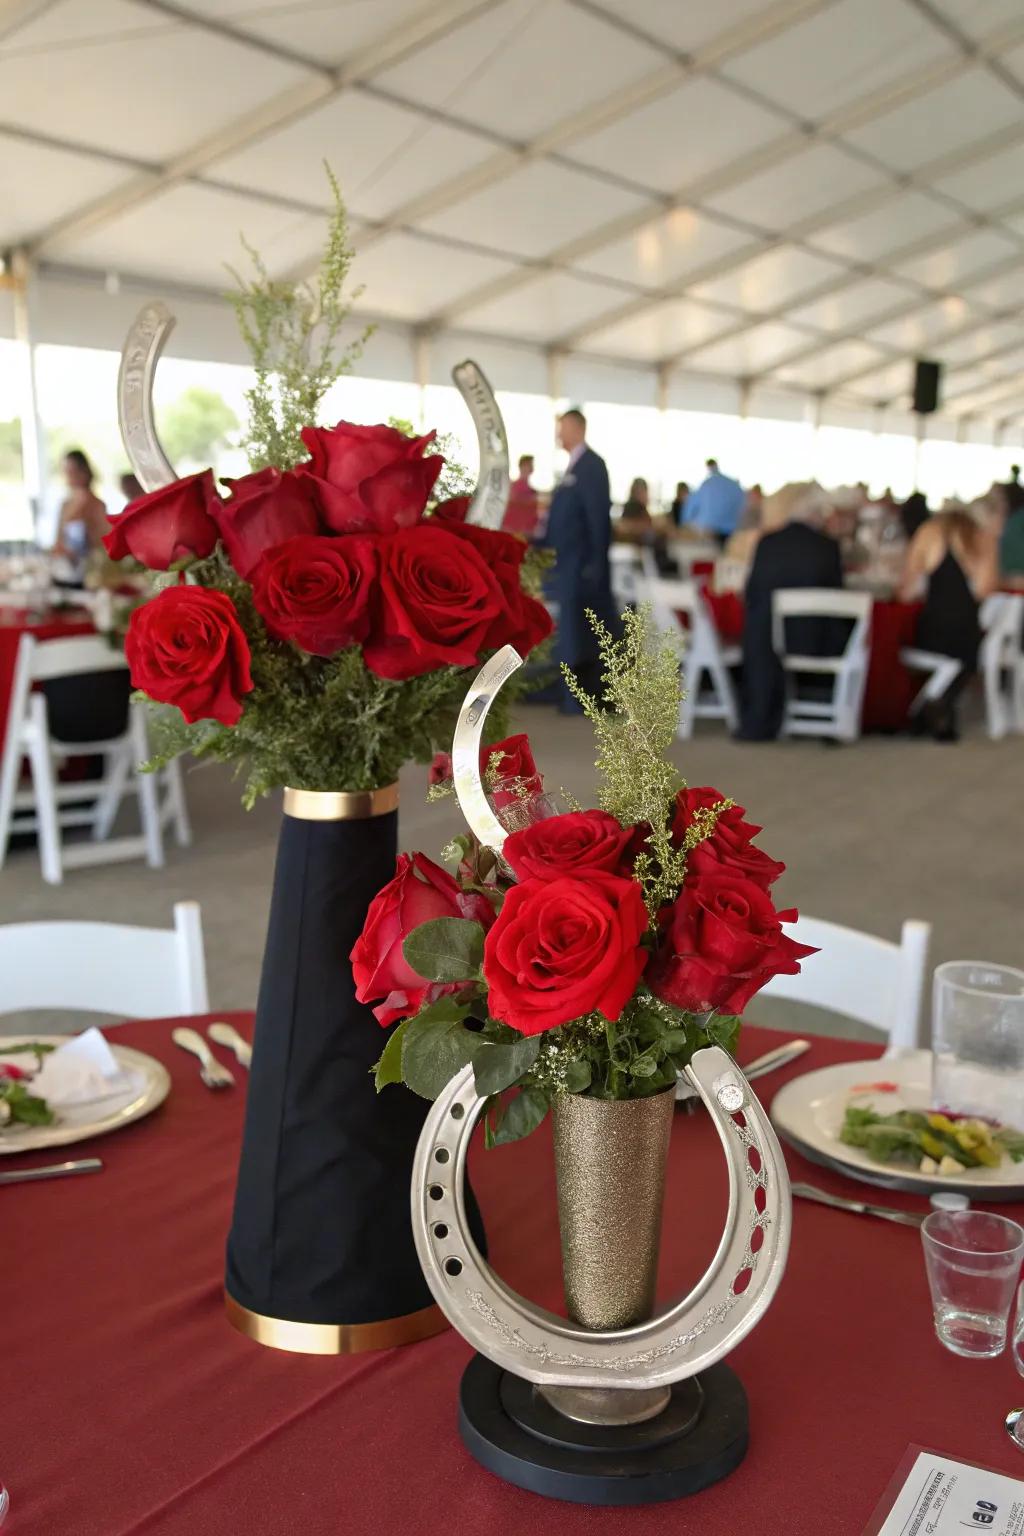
column 781, row 1056
column 858, row 1207
column 51, row 1171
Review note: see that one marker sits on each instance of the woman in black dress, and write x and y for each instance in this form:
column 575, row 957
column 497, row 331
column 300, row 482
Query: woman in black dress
column 953, row 559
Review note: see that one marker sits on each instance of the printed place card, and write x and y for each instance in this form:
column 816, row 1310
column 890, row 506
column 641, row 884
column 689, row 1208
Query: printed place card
column 932, row 1494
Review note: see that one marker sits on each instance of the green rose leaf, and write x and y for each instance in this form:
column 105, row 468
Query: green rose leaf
column 643, row 1066
column 724, row 1030
column 445, row 949
column 522, row 1115
column 389, row 1067
column 577, row 1076
column 433, row 1051
column 499, row 1066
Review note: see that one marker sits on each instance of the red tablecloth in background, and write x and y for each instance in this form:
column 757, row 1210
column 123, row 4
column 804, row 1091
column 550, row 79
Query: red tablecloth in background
column 890, row 686
column 14, row 624
column 130, row 1408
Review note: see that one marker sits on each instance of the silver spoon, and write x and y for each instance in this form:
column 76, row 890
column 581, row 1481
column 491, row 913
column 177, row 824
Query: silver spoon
column 1014, row 1423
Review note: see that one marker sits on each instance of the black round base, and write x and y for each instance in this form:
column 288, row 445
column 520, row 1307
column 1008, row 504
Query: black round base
column 599, row 1464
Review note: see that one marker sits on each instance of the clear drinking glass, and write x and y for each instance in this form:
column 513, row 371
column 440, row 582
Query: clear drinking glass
column 978, row 1040
column 1017, row 1345
column 973, row 1261
column 5, row 1503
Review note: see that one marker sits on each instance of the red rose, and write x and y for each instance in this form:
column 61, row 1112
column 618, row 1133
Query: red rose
column 722, row 940
column 186, row 647
column 573, row 844
column 512, row 762
column 437, row 602
column 563, row 948
column 168, row 526
column 420, row 891
column 729, row 848
column 369, row 479
column 524, row 622
column 16, row 1074
column 265, row 509
column 454, row 510
column 317, row 591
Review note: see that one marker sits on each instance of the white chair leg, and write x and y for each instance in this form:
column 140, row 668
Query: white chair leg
column 724, row 694
column 10, row 768
column 687, row 707
column 175, row 804
column 147, row 788
column 109, row 802
column 44, row 791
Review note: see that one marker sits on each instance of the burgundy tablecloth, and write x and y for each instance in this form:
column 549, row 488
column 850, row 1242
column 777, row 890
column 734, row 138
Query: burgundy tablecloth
column 14, row 624
column 130, row 1408
column 890, row 686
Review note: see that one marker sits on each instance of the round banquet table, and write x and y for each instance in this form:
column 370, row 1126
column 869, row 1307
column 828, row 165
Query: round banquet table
column 130, row 1408
column 15, row 622
column 890, row 686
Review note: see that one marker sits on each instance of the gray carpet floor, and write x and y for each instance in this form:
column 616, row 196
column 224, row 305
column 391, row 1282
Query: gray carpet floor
column 871, row 833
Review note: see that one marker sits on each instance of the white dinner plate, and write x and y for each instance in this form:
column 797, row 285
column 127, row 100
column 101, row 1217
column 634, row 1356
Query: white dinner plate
column 77, row 1122
column 808, row 1113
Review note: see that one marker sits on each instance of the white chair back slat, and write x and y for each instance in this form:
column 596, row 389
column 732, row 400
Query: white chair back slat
column 862, row 977
column 71, row 656
column 136, row 973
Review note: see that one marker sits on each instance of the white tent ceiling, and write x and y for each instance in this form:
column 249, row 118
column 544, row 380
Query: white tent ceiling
column 795, row 194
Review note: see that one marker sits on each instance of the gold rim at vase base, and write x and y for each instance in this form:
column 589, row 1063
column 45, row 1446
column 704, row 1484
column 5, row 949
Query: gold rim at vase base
column 334, row 1338
column 341, row 804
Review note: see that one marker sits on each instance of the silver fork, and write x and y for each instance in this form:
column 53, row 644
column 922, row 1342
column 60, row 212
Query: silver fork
column 213, row 1074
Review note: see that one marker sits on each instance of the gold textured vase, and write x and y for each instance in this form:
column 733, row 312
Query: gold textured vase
column 610, row 1157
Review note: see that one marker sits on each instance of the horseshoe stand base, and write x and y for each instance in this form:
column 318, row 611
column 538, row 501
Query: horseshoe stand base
column 699, row 1438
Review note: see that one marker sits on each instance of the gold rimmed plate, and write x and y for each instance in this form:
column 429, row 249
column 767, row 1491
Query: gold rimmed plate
column 79, row 1122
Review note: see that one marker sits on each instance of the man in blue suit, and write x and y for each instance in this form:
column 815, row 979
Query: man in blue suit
column 579, row 531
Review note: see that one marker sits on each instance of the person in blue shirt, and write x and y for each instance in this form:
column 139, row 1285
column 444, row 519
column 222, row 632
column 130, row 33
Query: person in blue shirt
column 717, row 505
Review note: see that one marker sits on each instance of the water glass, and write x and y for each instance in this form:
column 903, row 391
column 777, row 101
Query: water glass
column 978, row 1040
column 973, row 1261
column 1017, row 1346
column 5, row 1503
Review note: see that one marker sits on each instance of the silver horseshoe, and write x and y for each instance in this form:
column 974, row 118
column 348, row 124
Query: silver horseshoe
column 140, row 354
column 680, row 1341
column 469, row 728
column 490, row 499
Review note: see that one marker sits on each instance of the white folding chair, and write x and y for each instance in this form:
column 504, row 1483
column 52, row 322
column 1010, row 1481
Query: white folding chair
column 136, row 973
column 624, row 560
column 707, row 660
column 838, row 716
column 862, row 977
column 48, row 807
column 1001, row 662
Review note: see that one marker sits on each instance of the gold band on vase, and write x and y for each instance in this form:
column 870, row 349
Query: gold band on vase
column 341, row 804
column 334, row 1338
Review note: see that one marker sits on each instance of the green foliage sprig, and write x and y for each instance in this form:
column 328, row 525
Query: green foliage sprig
column 292, row 331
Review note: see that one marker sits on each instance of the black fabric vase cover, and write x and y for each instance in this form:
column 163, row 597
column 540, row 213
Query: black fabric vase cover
column 321, row 1231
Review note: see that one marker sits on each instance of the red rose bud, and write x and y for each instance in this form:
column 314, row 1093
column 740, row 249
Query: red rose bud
column 186, row 647
column 437, row 602
column 265, row 509
column 368, row 479
column 317, row 591
column 453, row 510
column 510, row 765
column 573, row 844
column 420, row 892
column 729, row 848
column 722, row 940
column 169, row 526
column 563, row 948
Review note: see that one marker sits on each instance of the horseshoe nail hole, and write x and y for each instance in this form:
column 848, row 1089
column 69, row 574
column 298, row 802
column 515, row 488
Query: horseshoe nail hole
column 754, row 1159
column 441, row 1155
column 760, row 1199
column 457, row 1111
column 441, row 1230
column 741, row 1282
column 757, row 1240
column 435, row 1192
column 453, row 1267
column 740, row 1119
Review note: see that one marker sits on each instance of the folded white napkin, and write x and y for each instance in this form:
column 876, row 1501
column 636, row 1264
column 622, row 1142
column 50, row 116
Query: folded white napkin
column 82, row 1070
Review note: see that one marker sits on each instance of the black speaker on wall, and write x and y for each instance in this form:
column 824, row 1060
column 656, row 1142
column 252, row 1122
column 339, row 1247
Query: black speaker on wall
column 927, row 381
